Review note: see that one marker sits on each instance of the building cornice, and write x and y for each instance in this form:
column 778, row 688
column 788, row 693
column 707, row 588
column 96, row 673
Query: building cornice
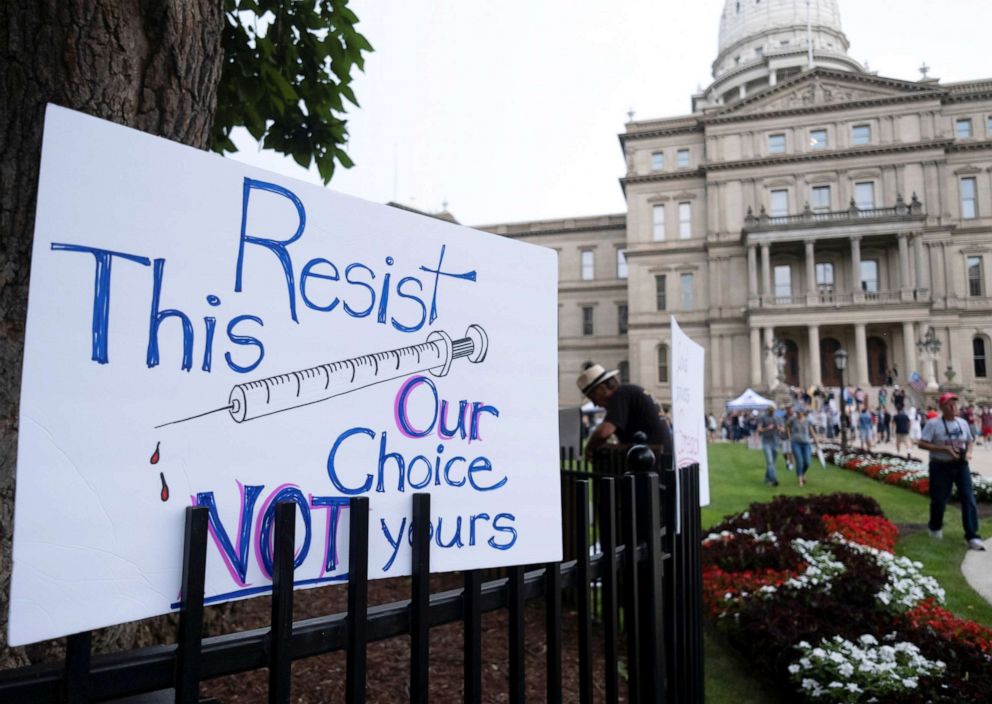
column 695, row 125
column 588, row 287
column 851, row 153
column 544, row 228
column 663, row 176
column 823, row 107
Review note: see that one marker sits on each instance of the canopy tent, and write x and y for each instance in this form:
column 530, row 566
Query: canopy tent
column 750, row 400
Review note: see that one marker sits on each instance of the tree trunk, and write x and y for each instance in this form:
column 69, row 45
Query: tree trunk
column 150, row 64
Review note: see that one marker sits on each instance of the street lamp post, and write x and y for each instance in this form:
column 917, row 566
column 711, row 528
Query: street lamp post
column 840, row 361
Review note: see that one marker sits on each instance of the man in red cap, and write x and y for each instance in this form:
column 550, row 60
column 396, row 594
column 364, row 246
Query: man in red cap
column 949, row 440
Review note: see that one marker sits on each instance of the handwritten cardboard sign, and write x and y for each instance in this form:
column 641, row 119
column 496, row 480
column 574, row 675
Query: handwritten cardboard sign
column 202, row 332
column 689, row 408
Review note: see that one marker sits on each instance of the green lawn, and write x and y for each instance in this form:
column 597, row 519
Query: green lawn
column 736, row 481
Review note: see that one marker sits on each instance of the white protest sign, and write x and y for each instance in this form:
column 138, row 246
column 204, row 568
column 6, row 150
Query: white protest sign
column 203, row 332
column 689, row 408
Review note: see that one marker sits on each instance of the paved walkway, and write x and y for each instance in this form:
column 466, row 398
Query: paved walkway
column 977, row 566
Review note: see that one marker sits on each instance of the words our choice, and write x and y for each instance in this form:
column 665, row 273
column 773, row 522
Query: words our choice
column 405, row 300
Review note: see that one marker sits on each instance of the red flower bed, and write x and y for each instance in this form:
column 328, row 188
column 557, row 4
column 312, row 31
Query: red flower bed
column 873, row 531
column 921, row 486
column 717, row 583
column 894, row 478
column 930, row 614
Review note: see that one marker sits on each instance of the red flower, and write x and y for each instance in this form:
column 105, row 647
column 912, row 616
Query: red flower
column 873, row 531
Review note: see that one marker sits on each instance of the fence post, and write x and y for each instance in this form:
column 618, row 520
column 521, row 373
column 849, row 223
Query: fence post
column 582, row 590
column 608, row 544
column 518, row 653
column 76, row 681
column 631, row 600
column 671, row 609
column 692, row 577
column 281, row 632
column 653, row 646
column 190, row 637
column 358, row 599
column 472, row 620
column 420, row 600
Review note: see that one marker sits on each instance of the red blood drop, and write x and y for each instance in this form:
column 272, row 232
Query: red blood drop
column 165, row 487
column 155, row 456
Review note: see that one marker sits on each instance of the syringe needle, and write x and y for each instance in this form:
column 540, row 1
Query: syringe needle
column 200, row 415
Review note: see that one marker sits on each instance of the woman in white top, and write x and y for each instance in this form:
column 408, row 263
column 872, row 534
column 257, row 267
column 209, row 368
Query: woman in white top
column 914, row 424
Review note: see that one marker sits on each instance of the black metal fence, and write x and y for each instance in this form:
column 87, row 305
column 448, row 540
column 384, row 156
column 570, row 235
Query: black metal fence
column 627, row 560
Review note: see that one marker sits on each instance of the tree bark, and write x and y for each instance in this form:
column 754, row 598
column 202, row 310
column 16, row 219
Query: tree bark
column 149, row 64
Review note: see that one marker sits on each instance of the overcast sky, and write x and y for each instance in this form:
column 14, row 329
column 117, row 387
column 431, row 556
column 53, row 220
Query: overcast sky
column 509, row 110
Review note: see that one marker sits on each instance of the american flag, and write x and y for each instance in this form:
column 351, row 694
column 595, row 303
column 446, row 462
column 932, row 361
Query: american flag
column 916, row 381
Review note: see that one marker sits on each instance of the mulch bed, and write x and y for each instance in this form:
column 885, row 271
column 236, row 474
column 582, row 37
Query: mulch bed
column 322, row 678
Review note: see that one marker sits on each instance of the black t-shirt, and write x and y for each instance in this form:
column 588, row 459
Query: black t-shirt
column 630, row 409
column 902, row 423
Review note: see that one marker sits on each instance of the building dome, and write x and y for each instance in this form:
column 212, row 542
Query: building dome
column 765, row 41
column 743, row 19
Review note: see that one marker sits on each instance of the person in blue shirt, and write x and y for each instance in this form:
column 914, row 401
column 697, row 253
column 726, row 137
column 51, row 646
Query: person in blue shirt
column 949, row 440
column 770, row 429
column 864, row 428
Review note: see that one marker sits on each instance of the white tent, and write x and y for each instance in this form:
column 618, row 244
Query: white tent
column 748, row 401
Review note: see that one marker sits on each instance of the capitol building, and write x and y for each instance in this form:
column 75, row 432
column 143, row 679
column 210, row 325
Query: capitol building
column 805, row 203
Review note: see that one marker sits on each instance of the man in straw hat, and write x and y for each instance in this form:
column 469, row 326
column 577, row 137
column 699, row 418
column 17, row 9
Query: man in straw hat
column 629, row 409
column 948, row 438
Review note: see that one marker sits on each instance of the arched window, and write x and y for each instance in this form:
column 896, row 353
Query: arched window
column 624, row 369
column 980, row 350
column 662, row 364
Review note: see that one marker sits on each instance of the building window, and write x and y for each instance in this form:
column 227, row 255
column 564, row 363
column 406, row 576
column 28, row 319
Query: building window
column 818, row 139
column 587, row 320
column 969, row 205
column 588, row 265
column 861, row 134
column 657, row 161
column 621, row 263
column 624, row 369
column 974, row 276
column 658, row 223
column 759, row 51
column 988, row 127
column 685, row 285
column 783, row 281
column 962, row 128
column 685, row 221
column 778, row 203
column 659, row 292
column 622, row 317
column 825, row 277
column 864, row 195
column 662, row 364
column 682, row 158
column 820, row 198
column 869, row 276
column 981, row 355
column 776, row 143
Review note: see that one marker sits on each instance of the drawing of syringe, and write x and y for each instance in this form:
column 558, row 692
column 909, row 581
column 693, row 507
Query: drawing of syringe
column 284, row 392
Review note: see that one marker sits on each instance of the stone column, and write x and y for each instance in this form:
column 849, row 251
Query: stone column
column 860, row 356
column 922, row 265
column 814, row 355
column 766, row 271
column 715, row 363
column 909, row 349
column 905, row 292
column 771, row 372
column 811, row 295
column 755, row 358
column 856, row 268
column 752, row 271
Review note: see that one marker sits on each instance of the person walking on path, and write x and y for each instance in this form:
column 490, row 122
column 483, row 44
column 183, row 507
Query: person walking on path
column 865, row 426
column 949, row 440
column 770, row 430
column 801, row 434
column 902, row 432
column 629, row 409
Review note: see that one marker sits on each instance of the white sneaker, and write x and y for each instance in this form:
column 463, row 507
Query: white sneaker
column 976, row 544
column 937, row 534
